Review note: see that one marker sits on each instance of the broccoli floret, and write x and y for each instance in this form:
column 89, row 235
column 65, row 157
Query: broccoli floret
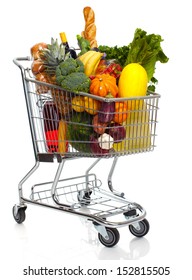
column 76, row 82
column 70, row 76
column 67, row 67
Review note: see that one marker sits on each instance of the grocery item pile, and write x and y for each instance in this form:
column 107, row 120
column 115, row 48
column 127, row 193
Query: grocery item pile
column 108, row 84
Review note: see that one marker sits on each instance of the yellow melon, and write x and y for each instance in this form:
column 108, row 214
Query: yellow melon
column 133, row 81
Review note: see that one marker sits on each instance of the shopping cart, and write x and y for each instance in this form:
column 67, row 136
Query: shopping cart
column 67, row 131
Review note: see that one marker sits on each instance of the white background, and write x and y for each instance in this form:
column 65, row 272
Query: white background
column 159, row 181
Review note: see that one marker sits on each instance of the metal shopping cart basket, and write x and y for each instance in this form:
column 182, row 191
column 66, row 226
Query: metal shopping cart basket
column 65, row 128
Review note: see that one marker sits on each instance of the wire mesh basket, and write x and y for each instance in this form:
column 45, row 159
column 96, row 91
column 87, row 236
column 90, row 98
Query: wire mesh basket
column 85, row 129
column 68, row 124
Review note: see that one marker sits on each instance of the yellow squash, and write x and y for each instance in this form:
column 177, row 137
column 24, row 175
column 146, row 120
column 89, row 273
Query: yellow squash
column 133, row 81
column 92, row 106
column 78, row 104
column 138, row 133
column 62, row 141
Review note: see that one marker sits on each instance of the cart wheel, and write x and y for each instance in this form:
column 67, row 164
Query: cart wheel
column 19, row 214
column 84, row 197
column 114, row 237
column 144, row 228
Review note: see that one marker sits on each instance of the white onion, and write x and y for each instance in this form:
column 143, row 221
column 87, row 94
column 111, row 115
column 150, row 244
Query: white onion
column 105, row 141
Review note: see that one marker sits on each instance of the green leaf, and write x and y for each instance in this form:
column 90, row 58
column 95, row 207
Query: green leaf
column 146, row 50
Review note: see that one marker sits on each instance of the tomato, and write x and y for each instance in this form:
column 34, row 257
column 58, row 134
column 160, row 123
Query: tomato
column 109, row 67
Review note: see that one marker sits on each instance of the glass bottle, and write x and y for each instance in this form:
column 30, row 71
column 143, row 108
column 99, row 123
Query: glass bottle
column 66, row 44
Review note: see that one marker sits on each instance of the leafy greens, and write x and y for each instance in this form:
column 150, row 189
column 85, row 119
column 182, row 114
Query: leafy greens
column 118, row 53
column 146, row 50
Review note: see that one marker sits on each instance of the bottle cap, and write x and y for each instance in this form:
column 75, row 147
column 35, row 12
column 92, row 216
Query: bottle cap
column 63, row 37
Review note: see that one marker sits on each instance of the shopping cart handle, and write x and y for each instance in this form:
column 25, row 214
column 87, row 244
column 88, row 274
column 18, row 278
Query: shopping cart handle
column 18, row 59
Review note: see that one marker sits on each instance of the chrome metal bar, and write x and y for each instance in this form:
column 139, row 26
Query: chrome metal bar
column 93, row 218
column 20, row 185
column 88, row 170
column 28, row 102
column 18, row 59
column 121, row 194
column 56, row 180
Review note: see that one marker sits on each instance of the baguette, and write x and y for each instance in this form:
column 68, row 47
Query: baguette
column 89, row 32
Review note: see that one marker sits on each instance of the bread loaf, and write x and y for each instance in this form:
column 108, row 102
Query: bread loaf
column 89, row 32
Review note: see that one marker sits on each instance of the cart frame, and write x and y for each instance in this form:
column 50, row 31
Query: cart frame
column 133, row 213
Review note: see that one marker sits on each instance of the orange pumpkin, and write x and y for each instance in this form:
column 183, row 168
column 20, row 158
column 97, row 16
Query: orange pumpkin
column 104, row 85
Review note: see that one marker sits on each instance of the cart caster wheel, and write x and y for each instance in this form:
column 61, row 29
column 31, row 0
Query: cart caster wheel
column 143, row 230
column 114, row 237
column 84, row 197
column 19, row 213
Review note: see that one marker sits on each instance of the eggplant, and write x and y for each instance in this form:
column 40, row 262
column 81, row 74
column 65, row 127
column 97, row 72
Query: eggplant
column 106, row 112
column 117, row 131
